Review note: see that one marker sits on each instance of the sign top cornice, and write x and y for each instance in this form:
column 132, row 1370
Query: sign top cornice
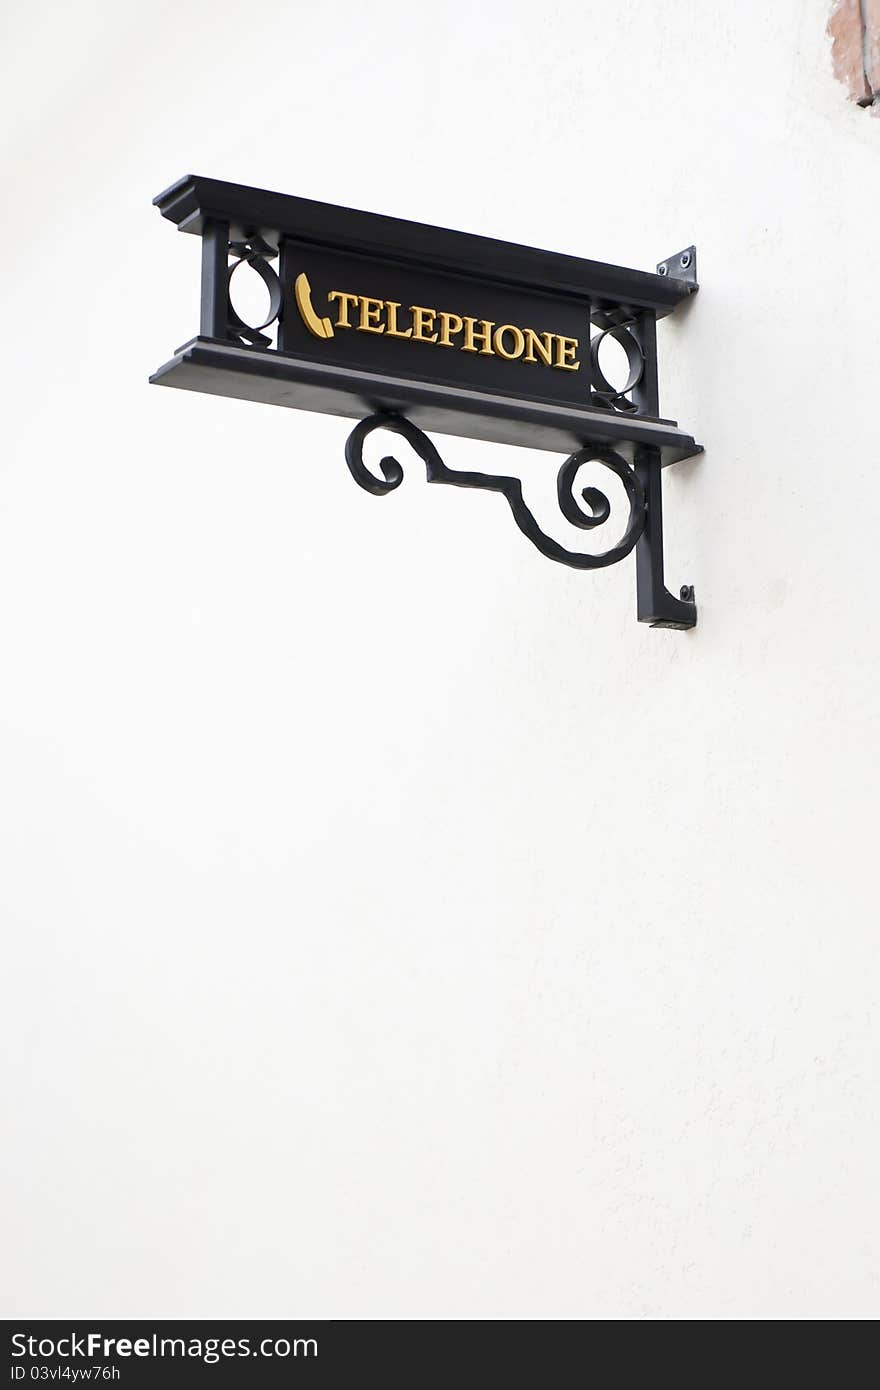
column 193, row 201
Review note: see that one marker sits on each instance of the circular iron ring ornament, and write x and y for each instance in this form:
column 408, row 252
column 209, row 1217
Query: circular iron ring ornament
column 253, row 253
column 617, row 397
column 599, row 508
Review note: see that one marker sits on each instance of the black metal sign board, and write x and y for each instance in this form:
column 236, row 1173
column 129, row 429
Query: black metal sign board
column 476, row 334
column 421, row 328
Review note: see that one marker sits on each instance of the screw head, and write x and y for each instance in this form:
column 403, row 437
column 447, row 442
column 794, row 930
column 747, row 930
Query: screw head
column 687, row 593
column 685, row 259
column 663, row 269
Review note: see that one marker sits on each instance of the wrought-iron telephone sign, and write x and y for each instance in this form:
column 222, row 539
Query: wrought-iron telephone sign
column 410, row 328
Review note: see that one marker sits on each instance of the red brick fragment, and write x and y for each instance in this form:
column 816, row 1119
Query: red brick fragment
column 845, row 27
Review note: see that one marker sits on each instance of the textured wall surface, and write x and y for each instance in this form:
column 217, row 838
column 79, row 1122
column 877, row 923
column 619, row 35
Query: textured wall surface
column 392, row 926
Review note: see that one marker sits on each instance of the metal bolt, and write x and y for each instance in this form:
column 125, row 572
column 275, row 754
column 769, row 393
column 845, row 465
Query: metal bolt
column 685, row 260
column 687, row 593
column 663, row 269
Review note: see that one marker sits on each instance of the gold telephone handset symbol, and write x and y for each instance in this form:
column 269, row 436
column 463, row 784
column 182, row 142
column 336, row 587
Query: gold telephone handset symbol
column 322, row 328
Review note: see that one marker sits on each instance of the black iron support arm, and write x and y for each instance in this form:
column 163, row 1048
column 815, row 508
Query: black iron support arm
column 655, row 604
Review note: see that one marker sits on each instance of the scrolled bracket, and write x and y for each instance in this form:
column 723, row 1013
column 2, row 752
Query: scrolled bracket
column 597, row 504
column 642, row 485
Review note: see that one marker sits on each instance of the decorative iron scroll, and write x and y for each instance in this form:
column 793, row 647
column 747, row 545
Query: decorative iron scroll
column 623, row 330
column 599, row 508
column 255, row 252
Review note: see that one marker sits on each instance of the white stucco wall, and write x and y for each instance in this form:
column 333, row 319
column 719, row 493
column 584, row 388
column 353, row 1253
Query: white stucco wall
column 392, row 925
